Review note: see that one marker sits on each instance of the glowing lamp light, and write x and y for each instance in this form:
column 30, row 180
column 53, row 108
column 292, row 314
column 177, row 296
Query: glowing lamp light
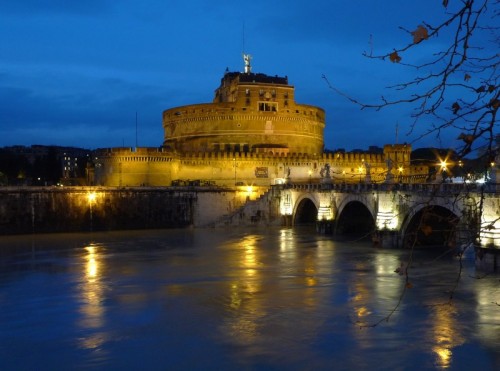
column 91, row 197
column 387, row 220
column 286, row 207
column 489, row 234
column 325, row 213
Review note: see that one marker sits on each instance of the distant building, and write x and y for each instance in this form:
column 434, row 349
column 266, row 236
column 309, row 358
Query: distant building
column 253, row 133
column 46, row 165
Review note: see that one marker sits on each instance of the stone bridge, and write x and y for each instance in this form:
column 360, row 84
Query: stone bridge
column 399, row 215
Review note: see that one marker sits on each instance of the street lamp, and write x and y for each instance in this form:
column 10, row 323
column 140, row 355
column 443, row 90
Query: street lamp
column 443, row 165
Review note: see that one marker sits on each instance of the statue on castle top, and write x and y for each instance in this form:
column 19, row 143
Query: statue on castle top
column 246, row 59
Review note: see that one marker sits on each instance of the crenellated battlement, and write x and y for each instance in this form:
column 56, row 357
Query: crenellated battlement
column 160, row 166
column 149, row 153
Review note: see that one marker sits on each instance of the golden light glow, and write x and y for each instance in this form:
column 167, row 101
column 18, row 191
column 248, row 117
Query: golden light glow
column 310, row 272
column 446, row 334
column 325, row 213
column 91, row 268
column 400, row 169
column 286, row 204
column 91, row 308
column 387, row 220
column 359, row 300
column 489, row 233
column 91, row 196
column 92, row 265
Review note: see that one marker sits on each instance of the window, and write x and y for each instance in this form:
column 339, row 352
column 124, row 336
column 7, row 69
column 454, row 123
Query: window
column 268, row 106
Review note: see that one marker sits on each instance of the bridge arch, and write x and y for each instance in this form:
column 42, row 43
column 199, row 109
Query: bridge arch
column 305, row 210
column 364, row 199
column 355, row 217
column 430, row 225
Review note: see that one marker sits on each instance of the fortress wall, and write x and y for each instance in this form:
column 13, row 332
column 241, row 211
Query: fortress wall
column 126, row 167
column 205, row 126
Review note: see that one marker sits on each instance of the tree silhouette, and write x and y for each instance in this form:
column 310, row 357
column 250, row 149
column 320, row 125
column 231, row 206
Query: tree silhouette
column 457, row 87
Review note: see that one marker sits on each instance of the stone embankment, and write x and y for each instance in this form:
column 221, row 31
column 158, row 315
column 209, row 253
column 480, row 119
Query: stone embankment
column 69, row 209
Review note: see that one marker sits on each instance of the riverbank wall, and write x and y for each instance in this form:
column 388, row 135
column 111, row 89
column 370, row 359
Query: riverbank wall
column 69, row 209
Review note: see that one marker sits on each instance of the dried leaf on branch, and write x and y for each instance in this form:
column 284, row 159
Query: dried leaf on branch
column 420, row 34
column 394, row 57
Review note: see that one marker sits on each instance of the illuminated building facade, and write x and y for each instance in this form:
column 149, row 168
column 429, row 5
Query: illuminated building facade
column 250, row 113
column 253, row 133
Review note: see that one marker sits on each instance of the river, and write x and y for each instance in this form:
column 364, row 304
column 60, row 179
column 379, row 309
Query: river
column 240, row 299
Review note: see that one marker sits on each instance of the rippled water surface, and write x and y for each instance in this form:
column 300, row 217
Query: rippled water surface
column 263, row 299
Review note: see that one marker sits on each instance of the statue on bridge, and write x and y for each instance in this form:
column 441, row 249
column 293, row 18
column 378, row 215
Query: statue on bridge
column 325, row 174
column 326, row 177
column 325, row 171
column 389, row 178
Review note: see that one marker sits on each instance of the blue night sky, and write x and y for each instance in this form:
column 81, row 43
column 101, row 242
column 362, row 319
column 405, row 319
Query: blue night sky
column 74, row 73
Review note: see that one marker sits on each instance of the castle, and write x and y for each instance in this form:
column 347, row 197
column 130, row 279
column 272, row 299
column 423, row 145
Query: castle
column 252, row 134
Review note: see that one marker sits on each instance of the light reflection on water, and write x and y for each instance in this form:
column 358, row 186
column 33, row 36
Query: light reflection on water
column 92, row 294
column 251, row 299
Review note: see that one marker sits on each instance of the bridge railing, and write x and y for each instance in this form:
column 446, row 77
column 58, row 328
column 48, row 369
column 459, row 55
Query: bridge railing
column 386, row 187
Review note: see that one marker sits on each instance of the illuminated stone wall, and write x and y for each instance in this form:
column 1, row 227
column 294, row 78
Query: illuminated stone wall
column 221, row 128
column 250, row 113
column 155, row 167
column 253, row 133
column 69, row 209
